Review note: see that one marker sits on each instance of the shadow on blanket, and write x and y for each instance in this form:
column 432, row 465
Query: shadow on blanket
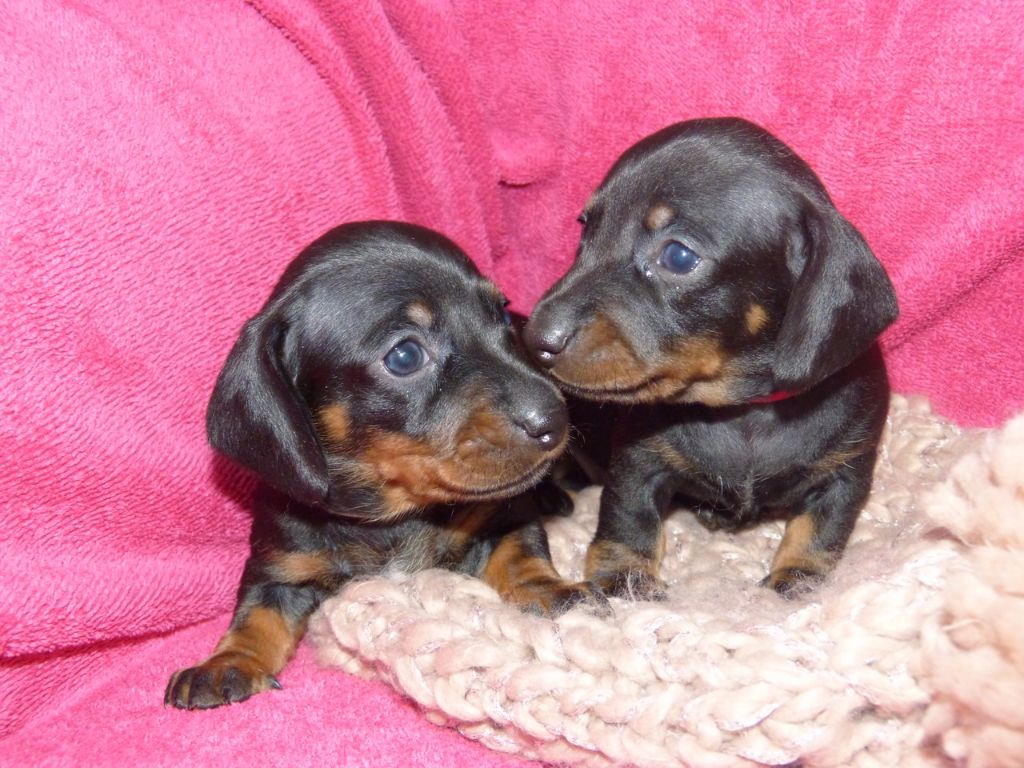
column 912, row 654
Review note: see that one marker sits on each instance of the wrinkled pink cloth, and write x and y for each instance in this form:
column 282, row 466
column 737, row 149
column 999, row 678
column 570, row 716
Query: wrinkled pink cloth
column 161, row 162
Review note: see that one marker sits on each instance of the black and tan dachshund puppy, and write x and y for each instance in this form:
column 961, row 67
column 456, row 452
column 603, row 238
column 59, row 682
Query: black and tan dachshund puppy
column 718, row 290
column 382, row 399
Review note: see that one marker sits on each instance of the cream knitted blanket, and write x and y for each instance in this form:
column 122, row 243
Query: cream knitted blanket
column 911, row 655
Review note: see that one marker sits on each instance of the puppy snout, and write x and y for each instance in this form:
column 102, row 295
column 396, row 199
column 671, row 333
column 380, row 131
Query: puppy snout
column 545, row 425
column 547, row 335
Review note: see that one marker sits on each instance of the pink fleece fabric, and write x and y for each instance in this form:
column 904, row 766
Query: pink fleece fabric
column 161, row 162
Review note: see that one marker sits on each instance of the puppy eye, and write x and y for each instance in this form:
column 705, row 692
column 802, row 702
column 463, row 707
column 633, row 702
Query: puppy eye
column 677, row 258
column 405, row 358
column 582, row 218
column 506, row 315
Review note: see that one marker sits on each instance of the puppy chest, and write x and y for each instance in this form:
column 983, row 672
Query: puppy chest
column 407, row 547
column 739, row 476
column 421, row 544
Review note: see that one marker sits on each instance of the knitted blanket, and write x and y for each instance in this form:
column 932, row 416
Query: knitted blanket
column 912, row 653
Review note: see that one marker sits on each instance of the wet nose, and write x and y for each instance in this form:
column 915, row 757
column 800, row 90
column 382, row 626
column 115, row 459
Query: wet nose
column 546, row 426
column 547, row 335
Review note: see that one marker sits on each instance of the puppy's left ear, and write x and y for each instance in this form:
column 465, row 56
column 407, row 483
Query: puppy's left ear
column 841, row 302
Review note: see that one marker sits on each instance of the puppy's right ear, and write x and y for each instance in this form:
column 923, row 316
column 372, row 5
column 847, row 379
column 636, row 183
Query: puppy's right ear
column 257, row 418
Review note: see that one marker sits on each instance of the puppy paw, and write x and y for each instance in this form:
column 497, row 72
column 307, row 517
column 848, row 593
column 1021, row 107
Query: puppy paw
column 222, row 679
column 552, row 500
column 792, row 583
column 619, row 571
column 553, row 597
column 584, row 595
column 630, row 584
column 709, row 519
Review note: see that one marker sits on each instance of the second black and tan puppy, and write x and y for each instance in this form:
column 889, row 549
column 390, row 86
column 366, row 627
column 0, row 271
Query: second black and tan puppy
column 717, row 286
column 382, row 400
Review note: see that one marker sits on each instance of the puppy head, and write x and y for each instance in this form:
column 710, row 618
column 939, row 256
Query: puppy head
column 712, row 268
column 382, row 376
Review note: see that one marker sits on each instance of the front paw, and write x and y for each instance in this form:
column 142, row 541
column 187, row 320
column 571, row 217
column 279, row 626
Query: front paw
column 619, row 571
column 630, row 584
column 552, row 500
column 792, row 583
column 553, row 597
column 224, row 678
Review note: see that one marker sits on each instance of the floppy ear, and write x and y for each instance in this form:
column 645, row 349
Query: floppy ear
column 256, row 417
column 841, row 301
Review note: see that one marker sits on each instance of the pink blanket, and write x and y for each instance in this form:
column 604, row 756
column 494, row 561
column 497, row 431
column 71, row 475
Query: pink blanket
column 161, row 162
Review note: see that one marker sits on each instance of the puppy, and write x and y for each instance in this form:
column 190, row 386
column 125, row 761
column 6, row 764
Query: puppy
column 381, row 398
column 718, row 291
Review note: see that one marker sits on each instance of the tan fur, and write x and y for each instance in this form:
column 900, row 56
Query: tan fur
column 509, row 566
column 469, row 522
column 613, row 557
column 601, row 358
column 521, row 579
column 756, row 318
column 414, row 473
column 404, row 468
column 838, row 458
column 697, row 359
column 659, row 215
column 301, row 567
column 483, row 430
column 258, row 648
column 334, row 423
column 420, row 314
column 713, row 393
column 668, row 453
column 797, row 549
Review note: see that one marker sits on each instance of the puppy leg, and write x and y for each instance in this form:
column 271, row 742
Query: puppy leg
column 520, row 570
column 624, row 557
column 268, row 623
column 801, row 562
column 816, row 536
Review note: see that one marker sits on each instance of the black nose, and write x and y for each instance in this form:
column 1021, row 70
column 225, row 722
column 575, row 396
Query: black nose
column 545, row 425
column 546, row 336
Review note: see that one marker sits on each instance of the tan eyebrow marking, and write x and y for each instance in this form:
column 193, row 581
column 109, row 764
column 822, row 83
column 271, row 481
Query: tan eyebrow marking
column 420, row 314
column 659, row 215
column 756, row 318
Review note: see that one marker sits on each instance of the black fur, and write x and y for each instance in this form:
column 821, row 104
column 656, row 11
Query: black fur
column 754, row 381
column 363, row 470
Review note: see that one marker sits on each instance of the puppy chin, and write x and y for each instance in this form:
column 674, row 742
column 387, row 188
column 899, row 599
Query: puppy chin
column 717, row 393
column 396, row 501
column 714, row 394
column 577, row 380
column 651, row 389
column 463, row 490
